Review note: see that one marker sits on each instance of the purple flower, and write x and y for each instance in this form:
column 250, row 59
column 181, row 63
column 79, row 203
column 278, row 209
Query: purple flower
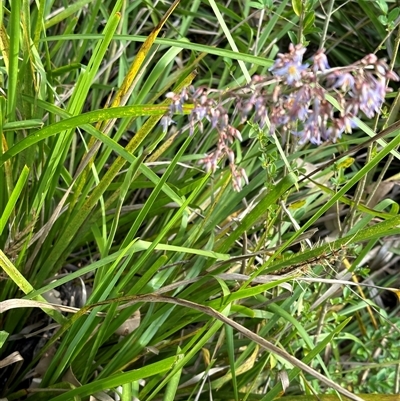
column 320, row 61
column 177, row 101
column 290, row 65
column 298, row 104
column 372, row 96
column 198, row 113
column 261, row 115
column 238, row 175
column 391, row 75
column 332, row 133
column 165, row 122
column 310, row 132
column 348, row 123
column 297, row 52
column 344, row 81
column 234, row 133
column 291, row 70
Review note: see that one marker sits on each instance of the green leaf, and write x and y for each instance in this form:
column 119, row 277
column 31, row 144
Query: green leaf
column 297, row 7
column 173, row 383
column 258, row 5
column 81, row 120
column 309, row 20
column 246, row 57
column 114, row 381
column 383, row 20
column 292, row 37
column 393, row 14
column 14, row 197
column 383, row 5
column 3, row 337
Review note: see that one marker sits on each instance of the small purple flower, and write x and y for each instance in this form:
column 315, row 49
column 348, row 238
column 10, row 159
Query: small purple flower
column 310, row 132
column 326, row 111
column 352, row 107
column 261, row 115
column 234, row 133
column 372, row 96
column 320, row 61
column 291, row 70
column 347, row 123
column 391, row 75
column 297, row 52
column 344, row 81
column 238, row 175
column 290, row 65
column 231, row 156
column 165, row 122
column 369, row 59
column 297, row 105
column 177, row 101
column 198, row 113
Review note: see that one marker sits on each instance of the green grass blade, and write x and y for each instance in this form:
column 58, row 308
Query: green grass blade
column 13, row 198
column 156, row 368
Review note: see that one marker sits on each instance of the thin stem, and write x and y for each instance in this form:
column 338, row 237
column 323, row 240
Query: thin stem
column 326, row 25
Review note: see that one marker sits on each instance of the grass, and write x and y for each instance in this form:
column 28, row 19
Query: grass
column 128, row 269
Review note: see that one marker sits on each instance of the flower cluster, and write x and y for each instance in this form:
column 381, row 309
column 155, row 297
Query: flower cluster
column 205, row 107
column 300, row 105
column 294, row 100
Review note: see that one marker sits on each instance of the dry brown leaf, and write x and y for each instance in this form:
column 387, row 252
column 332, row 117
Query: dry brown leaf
column 11, row 359
column 129, row 325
